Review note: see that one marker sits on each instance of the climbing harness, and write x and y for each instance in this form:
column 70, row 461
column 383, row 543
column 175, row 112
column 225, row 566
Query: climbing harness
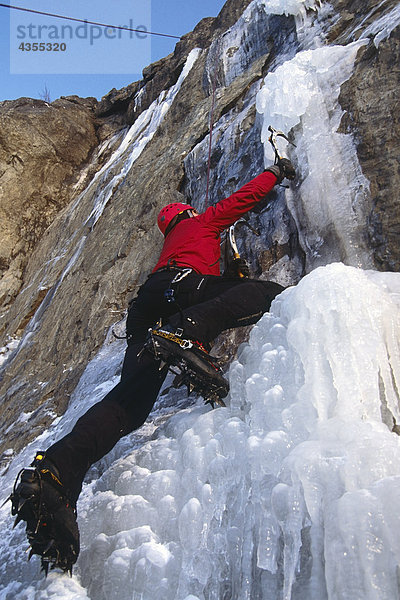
column 169, row 293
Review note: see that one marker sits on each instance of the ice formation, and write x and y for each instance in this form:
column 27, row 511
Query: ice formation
column 289, row 7
column 134, row 142
column 302, row 95
column 383, row 27
column 296, row 481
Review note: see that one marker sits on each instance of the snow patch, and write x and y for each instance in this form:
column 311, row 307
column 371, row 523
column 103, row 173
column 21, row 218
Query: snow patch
column 289, row 7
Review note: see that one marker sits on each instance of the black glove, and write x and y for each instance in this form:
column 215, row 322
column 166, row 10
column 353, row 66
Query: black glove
column 237, row 267
column 286, row 168
column 282, row 169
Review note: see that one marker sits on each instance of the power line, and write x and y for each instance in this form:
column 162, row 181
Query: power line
column 46, row 14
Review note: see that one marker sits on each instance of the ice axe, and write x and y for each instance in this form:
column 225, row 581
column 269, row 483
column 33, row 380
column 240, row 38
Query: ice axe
column 232, row 239
column 272, row 140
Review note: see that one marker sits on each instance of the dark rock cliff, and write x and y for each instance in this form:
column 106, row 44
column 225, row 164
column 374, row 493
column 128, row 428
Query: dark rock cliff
column 371, row 101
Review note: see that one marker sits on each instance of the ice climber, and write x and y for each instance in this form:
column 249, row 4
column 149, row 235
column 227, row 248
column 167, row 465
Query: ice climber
column 185, row 290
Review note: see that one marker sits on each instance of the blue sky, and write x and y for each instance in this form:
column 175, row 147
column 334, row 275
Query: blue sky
column 39, row 53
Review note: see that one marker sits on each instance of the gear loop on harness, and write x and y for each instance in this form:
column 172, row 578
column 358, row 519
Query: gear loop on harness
column 169, row 293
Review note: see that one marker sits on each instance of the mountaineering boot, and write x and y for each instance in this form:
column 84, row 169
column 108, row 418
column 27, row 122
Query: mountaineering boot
column 197, row 369
column 39, row 499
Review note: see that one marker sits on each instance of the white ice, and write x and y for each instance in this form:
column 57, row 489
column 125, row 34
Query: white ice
column 297, row 481
column 7, row 349
column 329, row 199
column 289, row 7
column 382, row 27
column 293, row 490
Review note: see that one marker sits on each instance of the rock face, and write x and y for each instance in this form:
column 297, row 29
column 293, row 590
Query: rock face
column 42, row 150
column 370, row 98
column 80, row 203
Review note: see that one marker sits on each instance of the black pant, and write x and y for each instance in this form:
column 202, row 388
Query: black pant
column 203, row 306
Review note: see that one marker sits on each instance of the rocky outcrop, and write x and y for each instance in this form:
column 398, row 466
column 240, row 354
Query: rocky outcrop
column 164, row 73
column 350, row 18
column 43, row 150
column 370, row 99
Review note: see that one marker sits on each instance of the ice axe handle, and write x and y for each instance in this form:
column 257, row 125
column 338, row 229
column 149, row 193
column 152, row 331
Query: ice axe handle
column 237, row 256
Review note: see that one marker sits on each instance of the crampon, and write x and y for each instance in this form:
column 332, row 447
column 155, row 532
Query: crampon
column 51, row 526
column 191, row 364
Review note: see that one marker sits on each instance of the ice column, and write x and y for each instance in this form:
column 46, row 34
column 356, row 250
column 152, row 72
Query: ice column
column 328, row 200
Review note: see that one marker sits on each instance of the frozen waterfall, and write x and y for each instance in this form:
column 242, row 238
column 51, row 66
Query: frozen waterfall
column 290, row 492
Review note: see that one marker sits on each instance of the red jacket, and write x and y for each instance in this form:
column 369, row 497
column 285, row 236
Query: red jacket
column 196, row 242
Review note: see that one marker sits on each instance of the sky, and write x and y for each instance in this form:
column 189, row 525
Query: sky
column 47, row 57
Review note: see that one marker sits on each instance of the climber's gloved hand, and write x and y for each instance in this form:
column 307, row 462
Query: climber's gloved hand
column 282, row 169
column 241, row 267
column 286, row 168
column 238, row 267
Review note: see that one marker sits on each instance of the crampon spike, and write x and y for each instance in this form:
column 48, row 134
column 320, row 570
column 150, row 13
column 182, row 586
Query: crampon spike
column 17, row 520
column 48, row 547
column 191, row 364
column 51, row 526
column 22, row 503
column 45, row 567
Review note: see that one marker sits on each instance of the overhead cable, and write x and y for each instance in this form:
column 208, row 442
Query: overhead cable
column 47, row 14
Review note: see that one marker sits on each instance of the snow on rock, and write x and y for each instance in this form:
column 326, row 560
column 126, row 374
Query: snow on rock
column 5, row 351
column 289, row 7
column 382, row 27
